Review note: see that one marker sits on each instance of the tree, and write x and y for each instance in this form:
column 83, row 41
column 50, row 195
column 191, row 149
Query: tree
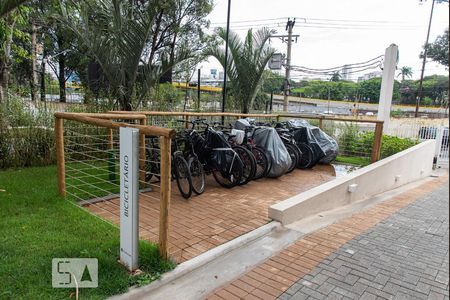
column 247, row 60
column 272, row 82
column 438, row 50
column 133, row 41
column 8, row 33
column 370, row 90
column 336, row 76
column 405, row 72
column 7, row 6
column 186, row 20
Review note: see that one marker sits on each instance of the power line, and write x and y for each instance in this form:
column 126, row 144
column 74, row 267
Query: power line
column 356, row 65
column 315, row 19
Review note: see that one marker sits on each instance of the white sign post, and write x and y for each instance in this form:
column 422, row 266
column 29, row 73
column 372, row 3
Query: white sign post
column 129, row 197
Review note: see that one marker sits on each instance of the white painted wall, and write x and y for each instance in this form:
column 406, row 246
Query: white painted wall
column 389, row 173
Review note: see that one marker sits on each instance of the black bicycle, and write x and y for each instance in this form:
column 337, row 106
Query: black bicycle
column 215, row 154
column 263, row 163
column 180, row 167
column 195, row 166
column 246, row 156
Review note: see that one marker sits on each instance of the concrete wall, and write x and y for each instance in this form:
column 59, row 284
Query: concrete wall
column 389, row 173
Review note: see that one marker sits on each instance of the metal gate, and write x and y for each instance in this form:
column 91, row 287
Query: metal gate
column 441, row 153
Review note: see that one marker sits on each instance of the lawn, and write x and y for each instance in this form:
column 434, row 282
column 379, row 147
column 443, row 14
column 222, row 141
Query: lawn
column 37, row 225
column 354, row 160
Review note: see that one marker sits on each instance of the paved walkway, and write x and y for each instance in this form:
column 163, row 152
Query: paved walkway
column 218, row 215
column 396, row 249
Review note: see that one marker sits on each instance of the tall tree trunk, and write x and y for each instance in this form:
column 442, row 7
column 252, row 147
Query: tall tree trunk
column 4, row 64
column 43, row 76
column 62, row 78
column 34, row 77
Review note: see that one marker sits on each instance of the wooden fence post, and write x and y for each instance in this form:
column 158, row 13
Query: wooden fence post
column 321, row 123
column 186, row 119
column 142, row 154
column 60, row 163
column 376, row 149
column 165, row 192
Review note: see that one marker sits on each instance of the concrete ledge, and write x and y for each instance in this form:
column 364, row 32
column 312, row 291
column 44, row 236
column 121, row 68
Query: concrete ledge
column 199, row 261
column 392, row 172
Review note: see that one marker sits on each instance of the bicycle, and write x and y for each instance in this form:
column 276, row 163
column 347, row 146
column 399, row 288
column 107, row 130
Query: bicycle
column 216, row 155
column 195, row 166
column 246, row 156
column 180, row 168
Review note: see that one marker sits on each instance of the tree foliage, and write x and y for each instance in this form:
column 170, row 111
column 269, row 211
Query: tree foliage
column 247, row 60
column 135, row 42
column 405, row 72
column 438, row 50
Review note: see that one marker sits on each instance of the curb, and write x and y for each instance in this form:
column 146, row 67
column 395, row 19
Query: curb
column 199, row 261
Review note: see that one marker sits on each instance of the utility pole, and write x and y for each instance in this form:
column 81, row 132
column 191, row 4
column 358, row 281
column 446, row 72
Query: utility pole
column 224, row 91
column 420, row 96
column 290, row 24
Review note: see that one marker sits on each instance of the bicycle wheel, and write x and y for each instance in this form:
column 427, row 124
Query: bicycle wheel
column 299, row 153
column 249, row 163
column 197, row 175
column 230, row 174
column 182, row 176
column 293, row 154
column 262, row 162
column 307, row 156
column 152, row 164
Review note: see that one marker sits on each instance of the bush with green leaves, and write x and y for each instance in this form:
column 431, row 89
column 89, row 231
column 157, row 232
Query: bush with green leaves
column 26, row 136
column 352, row 142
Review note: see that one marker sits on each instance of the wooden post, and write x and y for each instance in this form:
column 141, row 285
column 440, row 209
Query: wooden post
column 186, row 124
column 376, row 149
column 142, row 161
column 60, row 163
column 165, row 193
column 321, row 123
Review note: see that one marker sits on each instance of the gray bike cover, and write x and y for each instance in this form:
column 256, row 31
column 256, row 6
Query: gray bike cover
column 241, row 124
column 328, row 146
column 269, row 140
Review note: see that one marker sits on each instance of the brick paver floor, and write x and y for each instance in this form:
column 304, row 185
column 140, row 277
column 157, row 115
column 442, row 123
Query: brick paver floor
column 396, row 249
column 217, row 216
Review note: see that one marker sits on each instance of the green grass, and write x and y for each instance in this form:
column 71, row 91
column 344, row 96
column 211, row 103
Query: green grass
column 36, row 225
column 354, row 160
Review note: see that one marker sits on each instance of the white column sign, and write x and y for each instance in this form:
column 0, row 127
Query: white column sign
column 129, row 197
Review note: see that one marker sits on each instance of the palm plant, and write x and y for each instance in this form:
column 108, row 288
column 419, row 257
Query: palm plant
column 336, row 76
column 119, row 34
column 247, row 60
column 8, row 5
column 405, row 72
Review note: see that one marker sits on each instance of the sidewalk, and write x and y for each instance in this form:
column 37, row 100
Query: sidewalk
column 396, row 249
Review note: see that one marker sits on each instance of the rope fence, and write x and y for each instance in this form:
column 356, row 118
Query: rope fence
column 88, row 163
column 359, row 140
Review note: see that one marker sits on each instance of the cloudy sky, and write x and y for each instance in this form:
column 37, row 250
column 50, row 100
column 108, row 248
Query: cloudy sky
column 334, row 33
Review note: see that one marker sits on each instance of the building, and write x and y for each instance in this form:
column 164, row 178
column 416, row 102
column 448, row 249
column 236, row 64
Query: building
column 370, row 75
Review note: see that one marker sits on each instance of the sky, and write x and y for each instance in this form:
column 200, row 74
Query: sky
column 334, row 33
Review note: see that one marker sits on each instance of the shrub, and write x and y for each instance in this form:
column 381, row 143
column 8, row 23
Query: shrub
column 26, row 136
column 355, row 143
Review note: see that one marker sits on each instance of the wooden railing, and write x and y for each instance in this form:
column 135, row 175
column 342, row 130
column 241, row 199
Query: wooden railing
column 378, row 134
column 105, row 120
